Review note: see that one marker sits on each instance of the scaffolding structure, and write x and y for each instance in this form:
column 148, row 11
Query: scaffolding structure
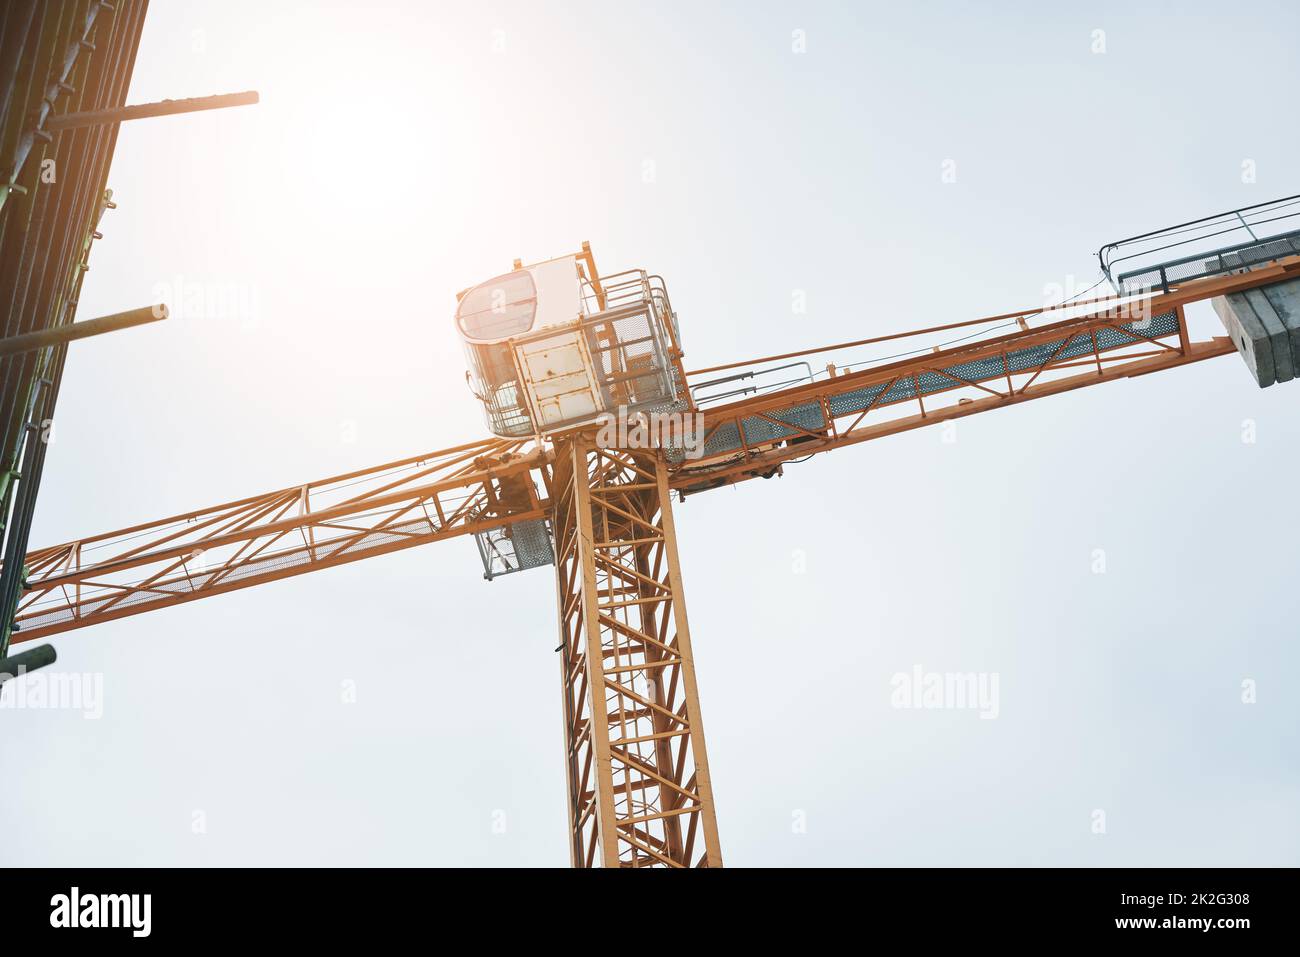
column 60, row 59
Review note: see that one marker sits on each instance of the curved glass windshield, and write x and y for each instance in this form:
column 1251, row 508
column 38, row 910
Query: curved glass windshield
column 498, row 308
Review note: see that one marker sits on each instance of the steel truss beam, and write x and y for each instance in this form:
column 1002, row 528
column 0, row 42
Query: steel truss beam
column 292, row 531
column 779, row 441
column 638, row 773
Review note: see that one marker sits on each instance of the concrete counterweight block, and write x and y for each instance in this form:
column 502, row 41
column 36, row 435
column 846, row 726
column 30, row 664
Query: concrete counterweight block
column 1264, row 324
column 1284, row 297
column 1248, row 335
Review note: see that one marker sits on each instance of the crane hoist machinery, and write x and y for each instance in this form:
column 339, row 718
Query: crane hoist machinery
column 554, row 350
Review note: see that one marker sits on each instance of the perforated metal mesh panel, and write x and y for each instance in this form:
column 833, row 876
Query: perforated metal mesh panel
column 805, row 418
column 630, row 354
column 725, row 438
column 515, row 548
column 856, row 400
column 493, row 370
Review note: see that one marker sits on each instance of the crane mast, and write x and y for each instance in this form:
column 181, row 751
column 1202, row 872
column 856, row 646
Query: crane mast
column 548, row 491
column 638, row 772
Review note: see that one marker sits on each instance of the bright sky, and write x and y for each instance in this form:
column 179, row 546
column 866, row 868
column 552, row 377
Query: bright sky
column 404, row 151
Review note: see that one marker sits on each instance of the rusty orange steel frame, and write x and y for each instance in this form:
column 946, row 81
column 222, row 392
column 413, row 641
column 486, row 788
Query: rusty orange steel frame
column 1053, row 376
column 287, row 532
column 638, row 773
column 463, row 490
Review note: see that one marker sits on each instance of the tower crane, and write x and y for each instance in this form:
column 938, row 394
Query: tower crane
column 596, row 422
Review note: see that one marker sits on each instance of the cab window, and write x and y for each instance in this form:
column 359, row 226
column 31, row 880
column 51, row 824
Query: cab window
column 499, row 308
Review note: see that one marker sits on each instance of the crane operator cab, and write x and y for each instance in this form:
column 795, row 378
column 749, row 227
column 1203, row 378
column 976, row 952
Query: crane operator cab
column 553, row 346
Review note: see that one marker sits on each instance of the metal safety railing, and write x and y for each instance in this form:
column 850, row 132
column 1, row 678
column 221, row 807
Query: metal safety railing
column 1223, row 243
column 749, row 382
